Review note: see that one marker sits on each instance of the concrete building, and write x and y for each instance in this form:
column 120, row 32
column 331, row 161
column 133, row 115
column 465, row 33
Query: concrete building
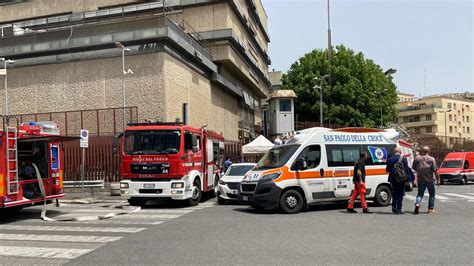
column 210, row 54
column 405, row 97
column 448, row 116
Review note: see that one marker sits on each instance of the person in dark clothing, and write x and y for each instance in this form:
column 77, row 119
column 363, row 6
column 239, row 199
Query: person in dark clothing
column 398, row 187
column 359, row 185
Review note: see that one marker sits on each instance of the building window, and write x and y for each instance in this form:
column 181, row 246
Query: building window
column 450, row 118
column 429, row 130
column 454, row 105
column 449, row 105
column 417, row 130
column 428, row 118
column 467, row 107
column 285, row 105
column 455, row 118
column 467, row 119
column 463, row 118
column 450, row 129
column 467, row 130
column 463, row 130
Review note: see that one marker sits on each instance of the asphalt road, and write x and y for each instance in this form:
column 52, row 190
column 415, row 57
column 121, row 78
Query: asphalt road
column 233, row 234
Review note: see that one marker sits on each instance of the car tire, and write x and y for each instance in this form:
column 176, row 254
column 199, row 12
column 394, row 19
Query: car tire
column 137, row 202
column 291, row 202
column 196, row 194
column 463, row 181
column 383, row 196
column 215, row 192
column 221, row 201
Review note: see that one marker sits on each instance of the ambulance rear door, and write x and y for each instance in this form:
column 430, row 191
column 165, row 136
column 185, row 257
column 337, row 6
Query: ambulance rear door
column 341, row 158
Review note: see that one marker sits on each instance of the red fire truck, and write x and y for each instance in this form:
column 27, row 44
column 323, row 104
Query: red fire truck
column 30, row 154
column 169, row 161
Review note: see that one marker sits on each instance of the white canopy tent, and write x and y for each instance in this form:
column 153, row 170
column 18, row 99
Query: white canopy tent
column 259, row 145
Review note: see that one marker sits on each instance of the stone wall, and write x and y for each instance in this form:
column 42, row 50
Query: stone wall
column 208, row 104
column 89, row 84
column 38, row 8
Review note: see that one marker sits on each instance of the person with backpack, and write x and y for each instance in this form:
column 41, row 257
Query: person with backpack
column 398, row 173
column 359, row 185
column 426, row 171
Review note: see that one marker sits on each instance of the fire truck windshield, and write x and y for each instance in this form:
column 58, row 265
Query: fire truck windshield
column 152, row 142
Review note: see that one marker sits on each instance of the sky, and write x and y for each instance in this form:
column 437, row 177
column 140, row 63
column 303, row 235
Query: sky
column 428, row 42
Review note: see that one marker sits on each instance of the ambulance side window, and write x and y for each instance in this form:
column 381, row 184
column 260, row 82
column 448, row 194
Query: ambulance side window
column 312, row 155
column 342, row 155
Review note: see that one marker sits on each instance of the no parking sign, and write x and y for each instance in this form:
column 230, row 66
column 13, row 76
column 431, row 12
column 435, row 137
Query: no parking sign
column 84, row 138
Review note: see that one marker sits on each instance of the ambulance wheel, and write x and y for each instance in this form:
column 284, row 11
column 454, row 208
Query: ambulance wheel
column 137, row 202
column 383, row 196
column 291, row 202
column 196, row 193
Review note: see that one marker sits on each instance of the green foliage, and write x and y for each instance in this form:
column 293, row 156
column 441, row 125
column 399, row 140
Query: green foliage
column 357, row 91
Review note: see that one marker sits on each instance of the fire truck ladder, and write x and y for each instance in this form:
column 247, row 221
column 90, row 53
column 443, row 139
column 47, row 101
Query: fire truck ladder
column 12, row 160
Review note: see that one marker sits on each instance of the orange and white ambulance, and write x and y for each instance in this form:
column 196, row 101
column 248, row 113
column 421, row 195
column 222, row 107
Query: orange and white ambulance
column 317, row 166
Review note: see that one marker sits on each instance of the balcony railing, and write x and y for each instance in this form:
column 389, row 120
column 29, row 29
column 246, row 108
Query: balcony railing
column 419, row 107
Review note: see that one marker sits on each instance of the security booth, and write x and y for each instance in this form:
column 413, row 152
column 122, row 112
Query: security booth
column 282, row 112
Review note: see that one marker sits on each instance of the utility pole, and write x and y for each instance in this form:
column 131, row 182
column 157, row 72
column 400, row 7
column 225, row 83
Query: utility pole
column 129, row 71
column 329, row 54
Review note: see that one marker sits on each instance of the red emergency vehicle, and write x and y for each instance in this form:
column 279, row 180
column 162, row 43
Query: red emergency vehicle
column 169, row 161
column 23, row 150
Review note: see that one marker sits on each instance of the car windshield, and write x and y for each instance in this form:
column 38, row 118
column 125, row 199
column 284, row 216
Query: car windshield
column 452, row 164
column 276, row 157
column 239, row 170
column 152, row 142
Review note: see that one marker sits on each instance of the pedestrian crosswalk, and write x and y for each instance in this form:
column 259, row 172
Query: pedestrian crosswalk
column 58, row 242
column 445, row 197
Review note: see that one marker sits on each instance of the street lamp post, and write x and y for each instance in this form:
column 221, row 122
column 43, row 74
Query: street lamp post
column 320, row 79
column 129, row 71
column 388, row 73
column 5, row 107
column 446, row 125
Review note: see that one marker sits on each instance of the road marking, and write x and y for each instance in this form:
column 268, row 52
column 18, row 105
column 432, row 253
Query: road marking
column 470, row 193
column 60, row 238
column 410, row 197
column 165, row 211
column 103, row 222
column 71, row 228
column 460, row 196
column 437, row 196
column 149, row 216
column 51, row 253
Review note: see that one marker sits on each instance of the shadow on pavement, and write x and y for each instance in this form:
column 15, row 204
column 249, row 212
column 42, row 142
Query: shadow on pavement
column 11, row 215
column 172, row 204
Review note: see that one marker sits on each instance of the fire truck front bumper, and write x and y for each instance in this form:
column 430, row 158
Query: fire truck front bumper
column 178, row 189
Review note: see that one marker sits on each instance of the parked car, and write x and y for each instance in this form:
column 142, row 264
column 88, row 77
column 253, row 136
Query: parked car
column 229, row 183
column 457, row 167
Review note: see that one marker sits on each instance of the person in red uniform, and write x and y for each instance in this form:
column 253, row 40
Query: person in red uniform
column 359, row 185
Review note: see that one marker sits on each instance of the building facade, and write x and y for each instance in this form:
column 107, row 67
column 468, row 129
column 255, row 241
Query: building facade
column 209, row 54
column 405, row 97
column 449, row 117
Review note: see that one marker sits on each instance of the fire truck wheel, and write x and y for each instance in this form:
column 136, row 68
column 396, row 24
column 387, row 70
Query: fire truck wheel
column 196, row 195
column 137, row 202
column 291, row 202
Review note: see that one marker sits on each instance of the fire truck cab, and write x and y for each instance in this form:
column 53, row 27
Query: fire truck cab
column 169, row 161
column 30, row 158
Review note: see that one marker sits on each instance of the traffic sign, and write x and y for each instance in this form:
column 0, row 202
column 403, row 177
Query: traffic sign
column 84, row 138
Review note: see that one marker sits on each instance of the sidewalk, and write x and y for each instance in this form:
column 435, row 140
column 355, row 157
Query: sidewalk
column 99, row 197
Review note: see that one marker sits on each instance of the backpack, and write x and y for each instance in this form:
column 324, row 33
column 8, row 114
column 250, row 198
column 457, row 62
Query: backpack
column 399, row 173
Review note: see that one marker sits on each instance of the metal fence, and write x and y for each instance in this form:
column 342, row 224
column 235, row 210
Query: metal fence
column 100, row 161
column 99, row 122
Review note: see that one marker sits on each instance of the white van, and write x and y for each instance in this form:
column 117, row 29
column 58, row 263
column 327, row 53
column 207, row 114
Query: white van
column 317, row 166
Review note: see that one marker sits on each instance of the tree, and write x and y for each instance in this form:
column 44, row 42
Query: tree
column 357, row 92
